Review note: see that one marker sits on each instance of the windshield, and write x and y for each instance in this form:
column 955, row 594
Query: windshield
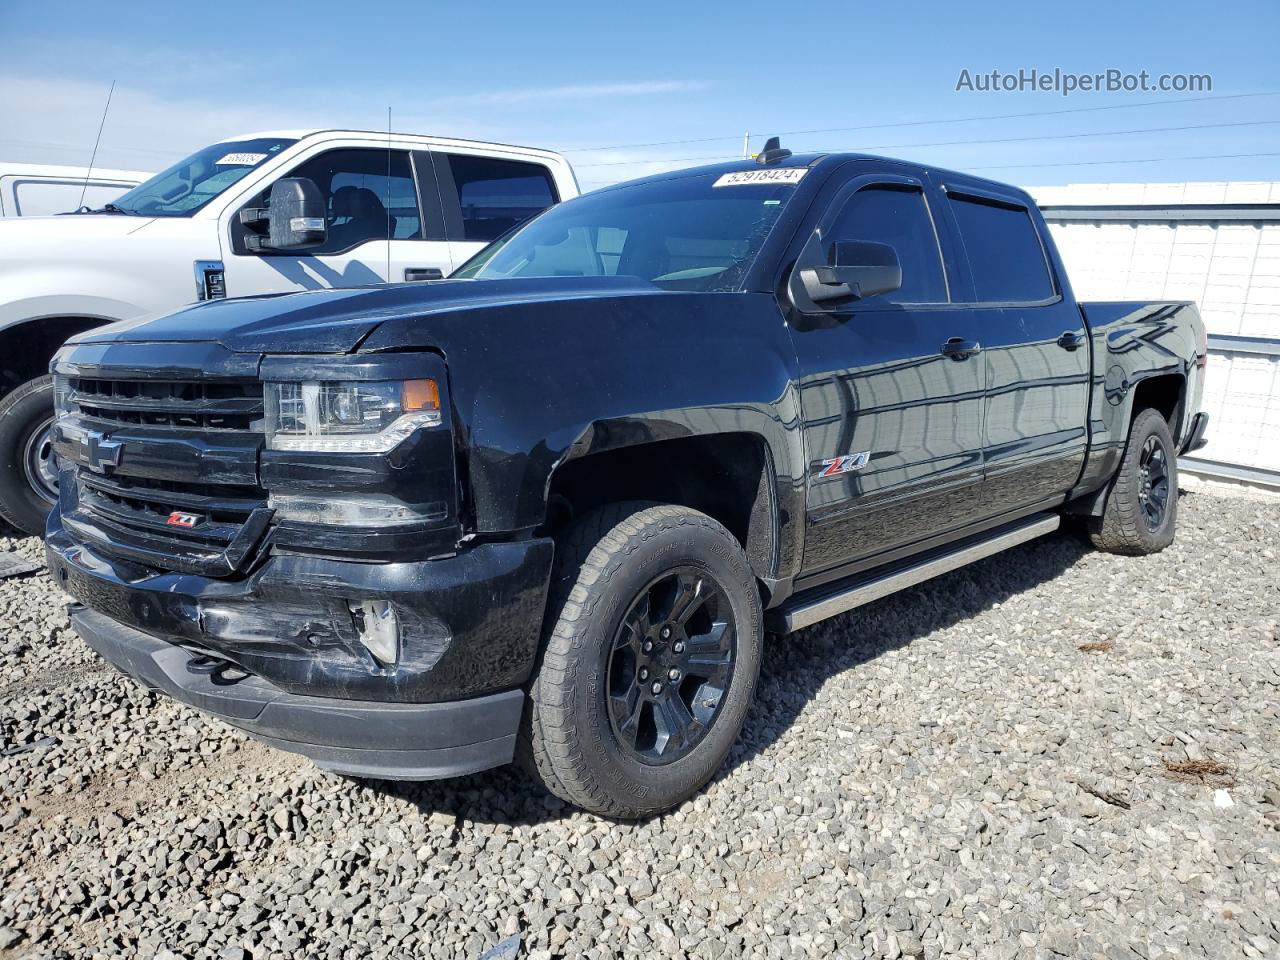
column 693, row 233
column 187, row 186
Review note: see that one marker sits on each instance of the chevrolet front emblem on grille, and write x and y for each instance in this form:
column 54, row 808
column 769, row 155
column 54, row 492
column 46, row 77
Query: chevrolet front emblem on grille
column 101, row 452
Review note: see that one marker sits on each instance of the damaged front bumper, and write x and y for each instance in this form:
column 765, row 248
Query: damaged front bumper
column 278, row 654
column 361, row 738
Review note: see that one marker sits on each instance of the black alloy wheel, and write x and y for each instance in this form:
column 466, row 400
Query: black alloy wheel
column 651, row 653
column 671, row 663
column 1153, row 472
column 1140, row 512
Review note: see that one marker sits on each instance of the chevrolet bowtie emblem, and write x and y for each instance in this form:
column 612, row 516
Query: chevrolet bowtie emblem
column 101, row 452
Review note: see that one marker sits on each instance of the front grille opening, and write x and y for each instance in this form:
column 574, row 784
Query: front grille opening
column 188, row 421
column 216, row 527
column 159, row 512
column 185, row 405
column 188, row 391
column 253, row 496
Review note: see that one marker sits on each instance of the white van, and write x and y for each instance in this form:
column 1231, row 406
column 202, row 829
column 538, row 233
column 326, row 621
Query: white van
column 379, row 207
column 40, row 190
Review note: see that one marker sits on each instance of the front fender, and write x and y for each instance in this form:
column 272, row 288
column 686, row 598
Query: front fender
column 45, row 306
column 109, row 268
column 537, row 385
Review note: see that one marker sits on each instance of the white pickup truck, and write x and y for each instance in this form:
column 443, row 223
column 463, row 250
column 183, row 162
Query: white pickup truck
column 365, row 208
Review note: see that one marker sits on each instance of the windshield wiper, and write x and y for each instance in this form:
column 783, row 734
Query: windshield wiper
column 107, row 208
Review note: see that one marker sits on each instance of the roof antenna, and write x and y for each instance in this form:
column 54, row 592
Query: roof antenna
column 772, row 152
column 387, row 191
column 94, row 156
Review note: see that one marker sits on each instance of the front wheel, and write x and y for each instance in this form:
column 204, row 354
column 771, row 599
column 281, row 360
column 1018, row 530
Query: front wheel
column 1141, row 511
column 650, row 660
column 28, row 480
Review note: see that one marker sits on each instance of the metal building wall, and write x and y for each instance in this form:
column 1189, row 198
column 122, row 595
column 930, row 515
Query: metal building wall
column 1215, row 243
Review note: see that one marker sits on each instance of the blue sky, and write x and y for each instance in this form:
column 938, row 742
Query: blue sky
column 573, row 76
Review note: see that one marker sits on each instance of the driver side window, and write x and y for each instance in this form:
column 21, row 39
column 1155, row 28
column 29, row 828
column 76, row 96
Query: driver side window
column 368, row 195
column 885, row 213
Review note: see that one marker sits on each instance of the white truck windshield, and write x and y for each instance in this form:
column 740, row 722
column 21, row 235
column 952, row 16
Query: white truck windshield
column 187, row 186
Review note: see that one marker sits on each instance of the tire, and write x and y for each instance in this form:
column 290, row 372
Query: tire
column 27, row 493
column 1129, row 524
column 597, row 731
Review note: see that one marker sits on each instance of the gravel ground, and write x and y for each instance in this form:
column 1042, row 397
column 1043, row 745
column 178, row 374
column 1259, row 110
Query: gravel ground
column 1051, row 753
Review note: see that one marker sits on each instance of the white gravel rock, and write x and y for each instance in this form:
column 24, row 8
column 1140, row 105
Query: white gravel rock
column 1020, row 759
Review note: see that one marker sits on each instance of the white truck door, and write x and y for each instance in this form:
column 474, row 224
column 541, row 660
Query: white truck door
column 372, row 212
column 419, row 248
column 483, row 196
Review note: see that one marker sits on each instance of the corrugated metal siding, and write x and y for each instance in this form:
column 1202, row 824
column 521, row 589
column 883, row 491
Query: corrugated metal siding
column 1230, row 268
column 1242, row 398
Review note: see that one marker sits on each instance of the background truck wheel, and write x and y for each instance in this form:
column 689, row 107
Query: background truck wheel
column 652, row 650
column 28, row 483
column 1141, row 511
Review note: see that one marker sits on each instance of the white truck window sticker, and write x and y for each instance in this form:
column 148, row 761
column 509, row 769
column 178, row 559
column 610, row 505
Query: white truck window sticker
column 241, row 160
column 746, row 178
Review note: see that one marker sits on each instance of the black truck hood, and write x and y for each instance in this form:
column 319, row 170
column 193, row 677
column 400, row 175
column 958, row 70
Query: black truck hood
column 338, row 321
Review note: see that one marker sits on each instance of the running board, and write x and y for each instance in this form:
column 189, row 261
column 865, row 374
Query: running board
column 810, row 607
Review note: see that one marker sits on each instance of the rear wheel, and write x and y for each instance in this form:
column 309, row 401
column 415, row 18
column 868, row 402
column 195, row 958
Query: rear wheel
column 28, row 480
column 650, row 661
column 1141, row 512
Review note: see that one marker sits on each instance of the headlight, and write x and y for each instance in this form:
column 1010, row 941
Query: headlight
column 355, row 416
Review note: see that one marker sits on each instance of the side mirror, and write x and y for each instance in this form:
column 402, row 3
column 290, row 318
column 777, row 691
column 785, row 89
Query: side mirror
column 856, row 270
column 294, row 217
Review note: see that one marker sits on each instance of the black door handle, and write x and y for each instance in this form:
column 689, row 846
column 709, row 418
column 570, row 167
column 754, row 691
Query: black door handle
column 957, row 348
column 1071, row 341
column 423, row 273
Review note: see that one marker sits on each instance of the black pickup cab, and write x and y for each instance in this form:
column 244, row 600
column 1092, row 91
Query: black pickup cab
column 551, row 507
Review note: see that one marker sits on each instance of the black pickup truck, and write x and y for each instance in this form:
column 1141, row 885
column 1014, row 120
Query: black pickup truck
column 550, row 508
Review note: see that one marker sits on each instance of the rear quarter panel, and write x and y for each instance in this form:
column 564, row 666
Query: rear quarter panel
column 1132, row 342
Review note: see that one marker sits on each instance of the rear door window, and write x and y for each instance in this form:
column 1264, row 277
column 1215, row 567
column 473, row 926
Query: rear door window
column 484, row 197
column 1006, row 257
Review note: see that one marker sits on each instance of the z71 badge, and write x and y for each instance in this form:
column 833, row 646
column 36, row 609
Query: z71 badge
column 849, row 463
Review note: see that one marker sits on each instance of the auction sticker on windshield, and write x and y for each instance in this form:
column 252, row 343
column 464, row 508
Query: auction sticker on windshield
column 241, row 160
column 747, row 177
